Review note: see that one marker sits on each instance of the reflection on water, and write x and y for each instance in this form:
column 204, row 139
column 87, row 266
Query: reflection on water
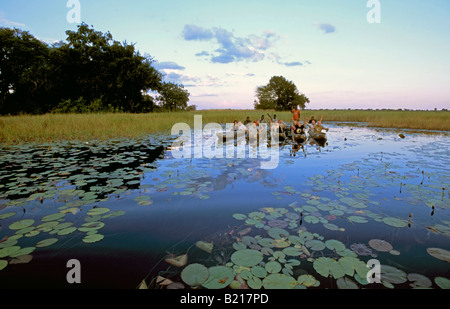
column 353, row 196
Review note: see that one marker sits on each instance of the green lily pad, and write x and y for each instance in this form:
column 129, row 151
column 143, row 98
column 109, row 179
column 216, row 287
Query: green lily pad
column 395, row 222
column 259, row 271
column 380, row 245
column 46, row 242
column 327, row 266
column 273, row 267
column 3, row 264
column 307, row 280
column 279, row 281
column 334, row 244
column 195, row 274
column 247, row 257
column 357, row 219
column 53, row 217
column 440, row 254
column 219, row 277
column 98, row 211
column 7, row 215
column 89, row 239
column 8, row 251
column 292, row 251
column 345, row 283
column 205, row 246
column 315, row 244
column 442, row 282
column 21, row 224
column 67, row 231
column 392, row 275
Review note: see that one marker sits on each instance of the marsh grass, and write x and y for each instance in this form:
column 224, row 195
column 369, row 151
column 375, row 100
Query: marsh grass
column 85, row 127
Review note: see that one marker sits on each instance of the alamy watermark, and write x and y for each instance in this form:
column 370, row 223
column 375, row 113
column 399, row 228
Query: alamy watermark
column 210, row 141
column 374, row 14
column 74, row 274
column 74, row 14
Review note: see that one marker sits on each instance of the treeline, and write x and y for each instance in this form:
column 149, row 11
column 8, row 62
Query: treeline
column 90, row 72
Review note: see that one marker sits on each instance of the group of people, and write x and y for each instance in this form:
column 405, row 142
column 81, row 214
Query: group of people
column 297, row 126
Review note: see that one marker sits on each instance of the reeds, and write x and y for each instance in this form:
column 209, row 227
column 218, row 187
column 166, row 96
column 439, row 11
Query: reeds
column 52, row 127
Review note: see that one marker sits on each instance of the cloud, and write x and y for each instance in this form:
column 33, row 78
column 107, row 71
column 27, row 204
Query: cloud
column 293, row 64
column 326, row 28
column 230, row 47
column 9, row 23
column 168, row 65
column 193, row 32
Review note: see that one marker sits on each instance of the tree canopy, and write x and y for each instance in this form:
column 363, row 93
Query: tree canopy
column 89, row 72
column 279, row 94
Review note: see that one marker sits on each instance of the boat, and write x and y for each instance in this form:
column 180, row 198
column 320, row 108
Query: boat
column 281, row 136
column 299, row 138
column 318, row 136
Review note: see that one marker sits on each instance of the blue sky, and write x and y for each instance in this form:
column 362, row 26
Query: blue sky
column 222, row 51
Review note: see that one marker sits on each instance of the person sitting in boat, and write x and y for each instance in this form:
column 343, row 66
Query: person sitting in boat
column 247, row 121
column 298, row 128
column 262, row 120
column 312, row 119
column 241, row 126
column 318, row 128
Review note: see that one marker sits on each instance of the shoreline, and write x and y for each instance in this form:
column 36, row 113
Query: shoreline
column 85, row 127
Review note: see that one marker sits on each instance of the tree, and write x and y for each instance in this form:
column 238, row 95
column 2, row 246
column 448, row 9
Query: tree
column 279, row 94
column 173, row 97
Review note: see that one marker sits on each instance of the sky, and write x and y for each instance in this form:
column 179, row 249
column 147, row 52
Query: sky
column 359, row 54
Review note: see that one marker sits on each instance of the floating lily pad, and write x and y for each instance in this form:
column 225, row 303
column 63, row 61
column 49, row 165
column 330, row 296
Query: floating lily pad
column 21, row 224
column 259, row 271
column 395, row 222
column 7, row 215
column 239, row 216
column 334, row 244
column 205, row 246
column 273, row 267
column 3, row 264
column 46, row 242
column 98, row 211
column 53, row 217
column 419, row 280
column 279, row 281
column 392, row 275
column 89, row 239
column 219, row 277
column 307, row 280
column 442, row 282
column 346, row 284
column 380, row 245
column 247, row 257
column 195, row 274
column 440, row 254
column 327, row 266
column 315, row 244
column 357, row 219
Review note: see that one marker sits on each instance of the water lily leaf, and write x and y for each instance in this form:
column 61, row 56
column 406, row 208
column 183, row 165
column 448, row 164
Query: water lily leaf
column 307, row 280
column 178, row 261
column 292, row 251
column 259, row 271
column 219, row 277
column 326, row 266
column 91, row 226
column 392, row 275
column 239, row 216
column 254, row 283
column 89, row 239
column 8, row 251
column 440, row 254
column 315, row 244
column 273, row 267
column 380, row 245
column 195, row 274
column 21, row 224
column 3, row 264
column 7, row 215
column 98, row 211
column 311, row 219
column 395, row 222
column 22, row 251
column 22, row 259
column 334, row 244
column 205, row 246
column 345, row 283
column 419, row 280
column 53, row 217
column 278, row 233
column 279, row 281
column 442, row 282
column 67, row 231
column 247, row 257
column 46, row 242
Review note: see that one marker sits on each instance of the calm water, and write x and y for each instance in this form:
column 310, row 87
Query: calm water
column 139, row 204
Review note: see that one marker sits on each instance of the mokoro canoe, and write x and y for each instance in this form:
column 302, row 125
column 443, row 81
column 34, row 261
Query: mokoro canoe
column 231, row 135
column 318, row 136
column 299, row 138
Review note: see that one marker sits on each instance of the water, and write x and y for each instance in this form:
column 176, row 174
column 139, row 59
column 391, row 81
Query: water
column 364, row 184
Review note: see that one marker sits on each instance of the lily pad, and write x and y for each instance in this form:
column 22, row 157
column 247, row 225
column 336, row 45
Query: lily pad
column 89, row 239
column 395, row 222
column 195, row 274
column 205, row 246
column 3, row 264
column 247, row 257
column 53, row 217
column 334, row 244
column 442, row 282
column 327, row 266
column 307, row 280
column 419, row 280
column 219, row 277
column 98, row 211
column 345, row 283
column 392, row 275
column 380, row 245
column 315, row 244
column 21, row 224
column 279, row 281
column 273, row 267
column 46, row 242
column 440, row 254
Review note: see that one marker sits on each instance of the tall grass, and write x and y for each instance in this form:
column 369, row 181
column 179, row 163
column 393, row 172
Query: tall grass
column 85, row 127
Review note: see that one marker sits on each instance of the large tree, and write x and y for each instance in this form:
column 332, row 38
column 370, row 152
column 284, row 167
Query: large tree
column 279, row 94
column 173, row 97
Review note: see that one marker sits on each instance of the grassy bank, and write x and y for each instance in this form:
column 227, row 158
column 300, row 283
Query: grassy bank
column 52, row 127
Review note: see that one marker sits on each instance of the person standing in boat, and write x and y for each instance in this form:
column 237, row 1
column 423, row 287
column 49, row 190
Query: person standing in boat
column 295, row 114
